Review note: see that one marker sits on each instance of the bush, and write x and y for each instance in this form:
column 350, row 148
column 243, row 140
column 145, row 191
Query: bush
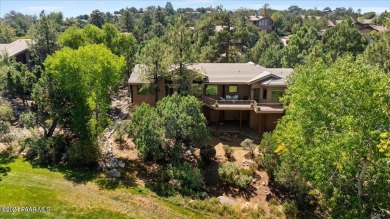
column 83, row 153
column 290, row 209
column 249, row 146
column 233, row 175
column 228, row 151
column 183, row 178
column 42, row 150
column 28, row 119
column 207, row 152
column 267, row 158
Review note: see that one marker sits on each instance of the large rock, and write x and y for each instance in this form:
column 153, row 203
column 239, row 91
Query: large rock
column 121, row 164
column 225, row 200
column 114, row 173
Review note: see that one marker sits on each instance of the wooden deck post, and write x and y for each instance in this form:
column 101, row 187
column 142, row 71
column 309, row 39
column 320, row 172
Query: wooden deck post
column 217, row 123
column 240, row 120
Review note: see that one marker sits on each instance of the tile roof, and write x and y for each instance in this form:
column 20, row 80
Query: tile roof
column 15, row 47
column 237, row 73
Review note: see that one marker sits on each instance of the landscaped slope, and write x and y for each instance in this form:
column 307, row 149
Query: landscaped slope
column 25, row 186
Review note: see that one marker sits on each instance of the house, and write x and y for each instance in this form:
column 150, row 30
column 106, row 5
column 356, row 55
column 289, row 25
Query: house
column 263, row 23
column 243, row 94
column 17, row 49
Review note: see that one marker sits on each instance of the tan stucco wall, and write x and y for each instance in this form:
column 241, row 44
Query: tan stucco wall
column 269, row 93
column 138, row 99
column 257, row 121
column 242, row 91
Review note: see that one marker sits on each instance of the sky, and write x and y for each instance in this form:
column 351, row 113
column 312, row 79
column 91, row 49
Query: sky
column 71, row 8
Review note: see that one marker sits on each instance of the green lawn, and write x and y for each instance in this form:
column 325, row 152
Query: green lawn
column 22, row 185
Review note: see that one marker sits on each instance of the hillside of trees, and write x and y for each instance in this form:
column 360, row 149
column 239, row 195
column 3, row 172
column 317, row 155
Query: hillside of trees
column 330, row 152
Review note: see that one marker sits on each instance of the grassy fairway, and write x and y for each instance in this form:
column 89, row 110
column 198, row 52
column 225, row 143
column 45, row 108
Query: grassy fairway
column 23, row 185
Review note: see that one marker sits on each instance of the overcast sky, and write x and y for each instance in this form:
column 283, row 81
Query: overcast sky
column 72, row 8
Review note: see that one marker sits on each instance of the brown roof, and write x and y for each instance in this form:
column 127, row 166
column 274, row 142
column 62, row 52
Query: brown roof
column 16, row 47
column 235, row 73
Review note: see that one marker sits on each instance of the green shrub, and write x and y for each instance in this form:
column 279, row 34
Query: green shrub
column 183, row 178
column 28, row 119
column 83, row 153
column 267, row 158
column 233, row 175
column 207, row 152
column 249, row 146
column 290, row 209
column 228, row 151
column 43, row 150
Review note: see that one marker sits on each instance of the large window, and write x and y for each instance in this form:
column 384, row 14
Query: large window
column 276, row 94
column 232, row 88
column 211, row 89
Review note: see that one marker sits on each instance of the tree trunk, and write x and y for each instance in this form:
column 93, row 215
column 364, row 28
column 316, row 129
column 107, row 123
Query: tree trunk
column 52, row 128
column 361, row 178
column 156, row 82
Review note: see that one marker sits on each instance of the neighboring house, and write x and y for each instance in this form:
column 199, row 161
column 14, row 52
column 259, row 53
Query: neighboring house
column 263, row 23
column 19, row 50
column 244, row 94
column 365, row 28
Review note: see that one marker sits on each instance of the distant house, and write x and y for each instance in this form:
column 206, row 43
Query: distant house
column 366, row 28
column 243, row 94
column 19, row 50
column 263, row 23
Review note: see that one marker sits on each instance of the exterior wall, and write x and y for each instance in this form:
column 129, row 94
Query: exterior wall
column 243, row 91
column 269, row 93
column 235, row 115
column 24, row 58
column 266, row 27
column 216, row 97
column 138, row 99
column 264, row 122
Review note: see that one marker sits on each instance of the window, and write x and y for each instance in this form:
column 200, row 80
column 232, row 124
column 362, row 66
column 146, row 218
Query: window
column 276, row 94
column 233, row 88
column 211, row 89
column 264, row 94
column 142, row 90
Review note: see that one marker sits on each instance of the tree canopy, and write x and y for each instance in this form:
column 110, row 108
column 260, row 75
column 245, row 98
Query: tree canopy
column 331, row 136
column 84, row 78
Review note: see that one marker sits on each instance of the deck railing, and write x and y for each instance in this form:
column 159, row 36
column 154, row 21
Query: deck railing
column 249, row 103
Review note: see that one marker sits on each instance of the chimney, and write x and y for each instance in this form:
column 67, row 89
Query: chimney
column 257, row 14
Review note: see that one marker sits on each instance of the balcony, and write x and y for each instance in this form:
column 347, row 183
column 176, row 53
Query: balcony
column 243, row 105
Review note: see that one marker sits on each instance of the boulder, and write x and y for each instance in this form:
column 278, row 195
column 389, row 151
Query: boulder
column 114, row 173
column 121, row 164
column 225, row 200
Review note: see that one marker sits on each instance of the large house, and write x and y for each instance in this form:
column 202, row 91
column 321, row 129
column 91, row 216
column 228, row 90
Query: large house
column 263, row 23
column 243, row 94
column 17, row 49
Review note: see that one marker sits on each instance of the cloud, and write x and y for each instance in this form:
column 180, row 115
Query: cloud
column 37, row 9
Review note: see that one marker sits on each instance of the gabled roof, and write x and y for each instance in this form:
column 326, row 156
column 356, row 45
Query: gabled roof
column 15, row 48
column 230, row 73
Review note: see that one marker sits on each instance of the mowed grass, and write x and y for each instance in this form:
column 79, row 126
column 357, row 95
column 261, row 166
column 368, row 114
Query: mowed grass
column 27, row 186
